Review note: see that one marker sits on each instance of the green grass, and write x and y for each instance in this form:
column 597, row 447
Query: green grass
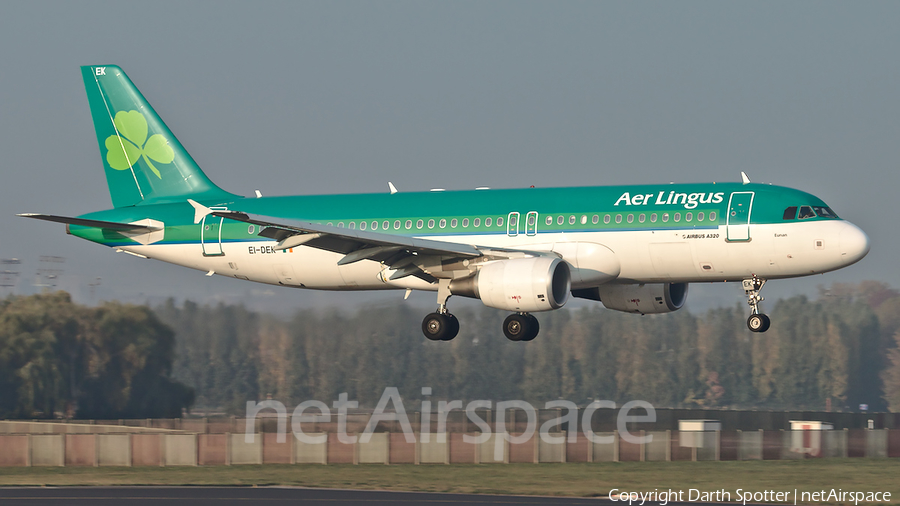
column 584, row 480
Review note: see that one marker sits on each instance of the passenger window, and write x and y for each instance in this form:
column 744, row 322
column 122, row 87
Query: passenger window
column 453, row 223
column 642, row 217
column 430, row 223
column 572, row 220
column 618, row 218
column 487, row 222
column 549, row 220
column 595, row 220
column 806, row 212
column 653, row 218
column 583, row 219
column 385, row 224
column 688, row 216
column 500, row 222
column 362, row 225
column 712, row 216
column 408, row 224
column 606, row 219
column 341, row 224
column 559, row 221
column 374, row 225
column 700, row 216
column 420, row 224
column 677, row 217
column 665, row 217
column 630, row 218
column 476, row 222
column 465, row 222
column 790, row 213
column 396, row 225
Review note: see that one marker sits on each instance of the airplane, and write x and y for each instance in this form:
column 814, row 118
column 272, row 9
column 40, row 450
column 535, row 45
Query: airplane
column 632, row 248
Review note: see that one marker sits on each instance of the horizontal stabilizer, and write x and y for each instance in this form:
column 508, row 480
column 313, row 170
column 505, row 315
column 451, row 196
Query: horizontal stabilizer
column 110, row 225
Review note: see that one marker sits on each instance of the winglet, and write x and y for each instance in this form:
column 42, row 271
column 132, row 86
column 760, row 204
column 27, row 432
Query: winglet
column 200, row 211
column 392, row 187
column 744, row 177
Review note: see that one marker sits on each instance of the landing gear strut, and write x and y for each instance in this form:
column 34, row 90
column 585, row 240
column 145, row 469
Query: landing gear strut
column 521, row 327
column 441, row 325
column 758, row 322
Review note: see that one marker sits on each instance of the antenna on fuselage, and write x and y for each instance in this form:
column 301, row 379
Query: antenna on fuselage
column 744, row 177
column 392, row 187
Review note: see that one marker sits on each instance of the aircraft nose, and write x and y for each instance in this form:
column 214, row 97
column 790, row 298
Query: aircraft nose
column 854, row 243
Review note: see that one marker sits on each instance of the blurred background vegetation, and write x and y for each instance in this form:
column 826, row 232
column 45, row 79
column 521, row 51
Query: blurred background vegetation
column 126, row 361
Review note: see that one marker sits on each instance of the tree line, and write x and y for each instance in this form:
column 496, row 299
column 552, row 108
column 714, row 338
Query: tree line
column 113, row 361
column 841, row 349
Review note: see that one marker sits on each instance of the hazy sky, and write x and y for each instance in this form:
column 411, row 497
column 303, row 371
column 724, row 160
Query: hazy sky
column 331, row 97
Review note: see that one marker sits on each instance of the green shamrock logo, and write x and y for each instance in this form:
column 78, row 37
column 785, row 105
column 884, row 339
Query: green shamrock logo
column 132, row 128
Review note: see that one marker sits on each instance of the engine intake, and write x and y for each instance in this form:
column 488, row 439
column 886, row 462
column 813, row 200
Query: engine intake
column 520, row 284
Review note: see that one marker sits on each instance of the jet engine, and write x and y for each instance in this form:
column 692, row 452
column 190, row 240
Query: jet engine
column 644, row 299
column 519, row 284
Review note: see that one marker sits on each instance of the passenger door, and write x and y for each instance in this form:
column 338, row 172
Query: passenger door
column 737, row 223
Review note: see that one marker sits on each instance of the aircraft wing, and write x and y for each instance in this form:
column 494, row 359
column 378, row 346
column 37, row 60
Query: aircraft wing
column 407, row 256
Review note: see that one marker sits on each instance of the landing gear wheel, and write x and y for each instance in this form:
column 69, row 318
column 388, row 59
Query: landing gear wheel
column 440, row 327
column 758, row 322
column 520, row 327
column 453, row 327
column 534, row 328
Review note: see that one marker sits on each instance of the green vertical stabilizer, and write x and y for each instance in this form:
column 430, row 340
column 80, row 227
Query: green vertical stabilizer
column 144, row 162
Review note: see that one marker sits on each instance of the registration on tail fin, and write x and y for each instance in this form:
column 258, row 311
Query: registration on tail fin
column 144, row 162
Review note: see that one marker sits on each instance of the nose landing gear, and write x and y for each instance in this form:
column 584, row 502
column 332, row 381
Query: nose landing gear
column 757, row 322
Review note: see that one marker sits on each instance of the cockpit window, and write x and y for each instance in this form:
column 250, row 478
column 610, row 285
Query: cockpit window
column 824, row 212
column 790, row 213
column 806, row 212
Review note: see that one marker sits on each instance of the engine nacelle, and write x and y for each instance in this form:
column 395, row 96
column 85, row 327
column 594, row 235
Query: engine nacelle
column 519, row 284
column 644, row 299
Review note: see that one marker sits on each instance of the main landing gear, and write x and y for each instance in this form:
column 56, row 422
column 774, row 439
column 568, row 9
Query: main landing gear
column 758, row 322
column 443, row 326
column 521, row 327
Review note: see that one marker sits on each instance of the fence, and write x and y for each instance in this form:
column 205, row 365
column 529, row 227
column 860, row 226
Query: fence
column 182, row 449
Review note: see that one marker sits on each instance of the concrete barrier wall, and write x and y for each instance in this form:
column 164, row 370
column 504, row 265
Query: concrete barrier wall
column 113, row 449
column 834, row 443
column 877, row 444
column 392, row 448
column 81, row 450
column 400, row 451
column 244, row 452
column 179, row 449
column 750, row 445
column 460, row 451
column 15, row 451
column 275, row 452
column 48, row 450
column 487, row 453
column 605, row 452
column 146, row 450
column 658, row 448
column 548, row 452
column 212, row 449
column 376, row 450
column 436, row 450
column 307, row 453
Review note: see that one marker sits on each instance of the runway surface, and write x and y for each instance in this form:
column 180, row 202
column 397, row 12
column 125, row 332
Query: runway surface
column 245, row 496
